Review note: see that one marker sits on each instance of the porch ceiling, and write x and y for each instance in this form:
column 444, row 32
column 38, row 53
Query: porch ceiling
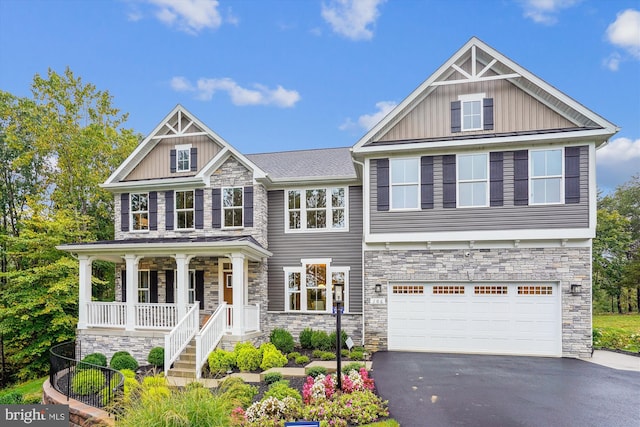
column 114, row 250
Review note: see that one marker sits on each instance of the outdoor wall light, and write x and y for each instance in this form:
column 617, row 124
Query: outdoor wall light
column 378, row 288
column 575, row 289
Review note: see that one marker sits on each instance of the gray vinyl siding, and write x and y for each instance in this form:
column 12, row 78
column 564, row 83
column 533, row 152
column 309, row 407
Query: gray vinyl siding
column 344, row 248
column 507, row 217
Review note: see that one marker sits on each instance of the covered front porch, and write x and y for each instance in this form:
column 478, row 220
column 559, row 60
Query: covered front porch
column 171, row 292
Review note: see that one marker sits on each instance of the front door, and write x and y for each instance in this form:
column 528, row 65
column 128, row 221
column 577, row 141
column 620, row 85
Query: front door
column 227, row 285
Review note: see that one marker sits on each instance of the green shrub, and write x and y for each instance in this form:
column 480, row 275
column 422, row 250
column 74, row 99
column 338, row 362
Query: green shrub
column 320, row 340
column 327, row 355
column 293, row 355
column 356, row 355
column 332, row 339
column 314, row 371
column 221, row 361
column 616, row 339
column 97, row 359
column 120, row 353
column 301, row 360
column 272, row 377
column 271, row 357
column 282, row 339
column 128, row 373
column 353, row 366
column 237, row 391
column 123, row 361
column 248, row 358
column 344, row 352
column 156, row 356
column 11, row 398
column 280, row 390
column 88, row 381
column 305, row 338
column 358, row 348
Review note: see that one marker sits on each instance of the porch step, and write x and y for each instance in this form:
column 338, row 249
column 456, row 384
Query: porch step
column 185, row 366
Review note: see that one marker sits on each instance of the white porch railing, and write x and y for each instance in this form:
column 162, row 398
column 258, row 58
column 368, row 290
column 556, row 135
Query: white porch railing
column 178, row 339
column 209, row 336
column 156, row 316
column 106, row 314
column 148, row 316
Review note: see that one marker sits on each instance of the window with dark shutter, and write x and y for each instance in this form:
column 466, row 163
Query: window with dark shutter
column 426, row 182
column 216, row 209
column 199, row 209
column 168, row 202
column 194, row 159
column 487, row 113
column 449, row 181
column 456, row 116
column 572, row 175
column 383, row 184
column 124, row 212
column 153, row 210
column 169, row 277
column 153, row 286
column 200, row 288
column 521, row 178
column 123, row 277
column 248, row 206
column 172, row 161
column 496, row 176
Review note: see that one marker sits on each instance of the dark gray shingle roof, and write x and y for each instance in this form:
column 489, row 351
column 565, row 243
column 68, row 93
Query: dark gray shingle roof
column 317, row 164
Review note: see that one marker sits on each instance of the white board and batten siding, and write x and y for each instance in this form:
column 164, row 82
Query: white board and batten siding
column 489, row 318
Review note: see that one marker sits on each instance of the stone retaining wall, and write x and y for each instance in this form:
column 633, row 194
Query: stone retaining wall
column 80, row 415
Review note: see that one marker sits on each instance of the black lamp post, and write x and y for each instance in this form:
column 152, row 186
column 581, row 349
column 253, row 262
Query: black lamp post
column 338, row 298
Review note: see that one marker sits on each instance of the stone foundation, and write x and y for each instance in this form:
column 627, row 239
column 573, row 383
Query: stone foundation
column 296, row 322
column 108, row 341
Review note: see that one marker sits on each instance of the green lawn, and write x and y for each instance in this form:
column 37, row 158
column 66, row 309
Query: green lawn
column 617, row 332
column 628, row 322
column 30, row 390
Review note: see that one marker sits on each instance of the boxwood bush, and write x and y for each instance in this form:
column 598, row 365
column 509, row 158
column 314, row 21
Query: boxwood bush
column 248, row 358
column 88, row 381
column 97, row 359
column 271, row 357
column 123, row 361
column 320, row 340
column 305, row 338
column 282, row 339
column 156, row 357
column 221, row 361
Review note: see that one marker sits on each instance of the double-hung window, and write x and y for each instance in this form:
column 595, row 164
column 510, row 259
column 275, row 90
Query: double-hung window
column 473, row 188
column 143, row 286
column 184, row 209
column 405, row 183
column 311, row 287
column 317, row 209
column 232, row 205
column 183, row 158
column 471, row 110
column 139, row 211
column 545, row 177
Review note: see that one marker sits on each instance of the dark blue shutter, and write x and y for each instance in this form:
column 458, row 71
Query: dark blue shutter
column 456, row 116
column 153, row 210
column 199, row 209
column 153, row 286
column 169, row 275
column 496, row 177
column 123, row 274
column 426, row 182
column 487, row 113
column 172, row 160
column 521, row 178
column 124, row 212
column 200, row 288
column 248, row 206
column 194, row 159
column 383, row 184
column 216, row 208
column 168, row 202
column 449, row 181
column 572, row 175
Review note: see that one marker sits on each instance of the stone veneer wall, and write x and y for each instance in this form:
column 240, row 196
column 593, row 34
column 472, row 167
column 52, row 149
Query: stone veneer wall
column 108, row 341
column 566, row 266
column 296, row 322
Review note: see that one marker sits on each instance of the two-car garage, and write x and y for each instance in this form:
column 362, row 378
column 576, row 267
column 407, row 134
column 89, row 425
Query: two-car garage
column 492, row 318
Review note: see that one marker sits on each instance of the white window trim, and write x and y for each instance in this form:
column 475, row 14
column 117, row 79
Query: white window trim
column 132, row 213
column 329, row 210
column 405, row 184
column 459, row 181
column 147, row 290
column 303, row 285
column 532, row 178
column 187, row 148
column 470, row 98
column 235, row 227
column 176, row 210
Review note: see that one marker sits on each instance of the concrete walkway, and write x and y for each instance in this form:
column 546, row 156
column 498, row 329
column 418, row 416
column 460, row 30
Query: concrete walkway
column 615, row 360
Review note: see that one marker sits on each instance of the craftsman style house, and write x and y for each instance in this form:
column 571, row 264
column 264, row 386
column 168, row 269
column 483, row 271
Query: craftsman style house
column 462, row 222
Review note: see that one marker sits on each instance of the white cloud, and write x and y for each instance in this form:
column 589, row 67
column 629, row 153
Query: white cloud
column 613, row 61
column 352, row 18
column 617, row 162
column 190, row 16
column 545, row 11
column 624, row 32
column 367, row 121
column 206, row 88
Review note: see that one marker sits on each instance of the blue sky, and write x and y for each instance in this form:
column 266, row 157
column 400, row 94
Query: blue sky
column 285, row 75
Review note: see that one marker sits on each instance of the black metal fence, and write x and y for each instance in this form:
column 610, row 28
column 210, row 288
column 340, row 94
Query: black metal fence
column 94, row 385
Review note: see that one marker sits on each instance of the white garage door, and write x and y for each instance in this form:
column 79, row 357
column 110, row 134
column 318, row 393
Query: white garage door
column 521, row 319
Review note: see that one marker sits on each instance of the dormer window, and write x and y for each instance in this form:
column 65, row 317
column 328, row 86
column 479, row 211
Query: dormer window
column 183, row 157
column 472, row 112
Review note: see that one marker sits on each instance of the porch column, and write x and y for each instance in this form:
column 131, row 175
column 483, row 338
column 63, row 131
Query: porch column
column 84, row 290
column 237, row 264
column 131, row 262
column 182, row 277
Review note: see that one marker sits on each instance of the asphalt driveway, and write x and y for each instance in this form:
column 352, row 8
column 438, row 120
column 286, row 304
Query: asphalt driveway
column 434, row 390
